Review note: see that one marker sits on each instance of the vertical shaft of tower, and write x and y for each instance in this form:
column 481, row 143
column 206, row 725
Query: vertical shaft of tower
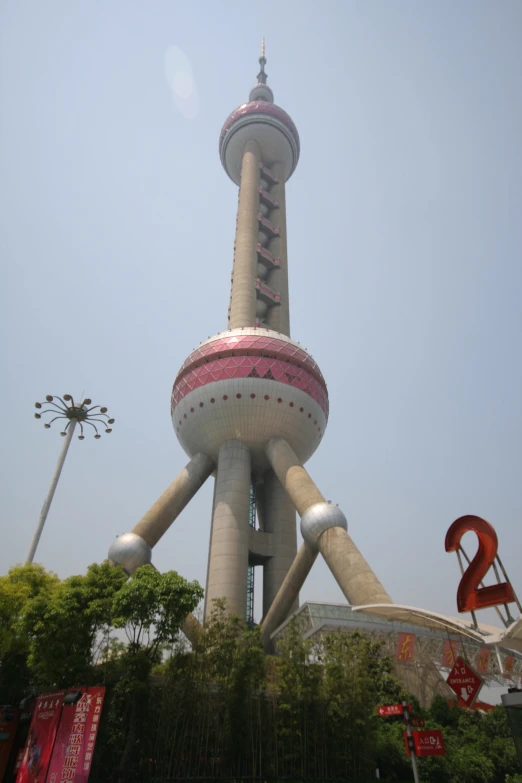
column 243, row 292
column 279, row 520
column 279, row 317
column 228, row 567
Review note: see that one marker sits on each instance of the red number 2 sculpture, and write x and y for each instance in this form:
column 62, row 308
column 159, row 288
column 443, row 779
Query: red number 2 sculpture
column 469, row 595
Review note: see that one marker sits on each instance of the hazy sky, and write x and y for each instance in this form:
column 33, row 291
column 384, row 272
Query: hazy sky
column 405, row 238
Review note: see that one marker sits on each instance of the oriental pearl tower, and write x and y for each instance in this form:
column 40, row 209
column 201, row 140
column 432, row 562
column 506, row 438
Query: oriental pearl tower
column 250, row 405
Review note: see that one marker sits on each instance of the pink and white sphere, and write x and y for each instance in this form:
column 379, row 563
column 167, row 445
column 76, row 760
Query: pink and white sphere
column 250, row 385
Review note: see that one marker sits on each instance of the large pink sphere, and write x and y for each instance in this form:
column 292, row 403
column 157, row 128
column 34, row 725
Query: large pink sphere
column 249, row 385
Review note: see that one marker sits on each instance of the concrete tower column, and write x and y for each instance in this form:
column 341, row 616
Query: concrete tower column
column 243, row 292
column 227, row 573
column 288, row 593
column 278, row 317
column 279, row 521
column 350, row 569
column 292, row 475
column 161, row 515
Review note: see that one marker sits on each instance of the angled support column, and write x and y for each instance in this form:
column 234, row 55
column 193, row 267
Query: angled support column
column 323, row 528
column 134, row 549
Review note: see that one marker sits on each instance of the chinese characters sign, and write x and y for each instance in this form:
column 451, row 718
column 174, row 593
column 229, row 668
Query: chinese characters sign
column 509, row 662
column 405, row 647
column 76, row 738
column 449, row 653
column 483, row 660
column 386, row 710
column 426, row 743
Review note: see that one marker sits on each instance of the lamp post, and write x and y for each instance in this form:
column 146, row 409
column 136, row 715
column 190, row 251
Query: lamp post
column 74, row 414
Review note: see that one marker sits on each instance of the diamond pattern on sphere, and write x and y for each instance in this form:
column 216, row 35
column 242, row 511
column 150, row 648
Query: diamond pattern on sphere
column 257, row 345
column 247, row 367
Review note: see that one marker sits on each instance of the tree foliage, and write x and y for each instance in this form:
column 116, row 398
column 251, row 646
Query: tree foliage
column 308, row 711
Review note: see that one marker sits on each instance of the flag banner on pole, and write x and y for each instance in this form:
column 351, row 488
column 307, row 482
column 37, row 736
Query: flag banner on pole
column 76, row 738
column 40, row 740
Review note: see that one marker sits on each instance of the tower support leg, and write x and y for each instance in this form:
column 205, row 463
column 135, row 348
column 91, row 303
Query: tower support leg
column 133, row 549
column 228, row 566
column 278, row 518
column 324, row 530
column 169, row 506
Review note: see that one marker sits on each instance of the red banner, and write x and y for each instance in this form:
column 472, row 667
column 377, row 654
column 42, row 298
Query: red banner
column 509, row 662
column 449, row 654
column 405, row 647
column 76, row 738
column 40, row 740
column 483, row 660
column 8, row 724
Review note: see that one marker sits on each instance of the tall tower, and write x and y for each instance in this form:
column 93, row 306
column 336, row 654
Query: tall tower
column 250, row 405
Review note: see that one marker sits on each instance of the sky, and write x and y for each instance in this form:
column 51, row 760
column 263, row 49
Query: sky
column 405, row 245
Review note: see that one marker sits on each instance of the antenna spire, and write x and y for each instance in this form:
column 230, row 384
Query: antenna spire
column 261, row 76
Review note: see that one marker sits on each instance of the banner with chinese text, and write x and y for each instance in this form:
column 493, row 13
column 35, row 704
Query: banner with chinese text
column 482, row 662
column 449, row 653
column 509, row 662
column 405, row 647
column 76, row 738
column 40, row 740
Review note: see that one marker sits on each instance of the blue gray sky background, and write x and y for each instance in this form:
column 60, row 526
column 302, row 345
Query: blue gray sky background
column 405, row 238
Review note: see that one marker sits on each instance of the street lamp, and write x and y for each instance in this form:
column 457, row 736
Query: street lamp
column 73, row 413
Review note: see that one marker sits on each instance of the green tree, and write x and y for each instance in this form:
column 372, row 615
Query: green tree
column 66, row 626
column 151, row 608
column 21, row 586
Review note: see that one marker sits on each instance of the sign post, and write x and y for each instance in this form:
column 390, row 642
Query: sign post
column 411, row 745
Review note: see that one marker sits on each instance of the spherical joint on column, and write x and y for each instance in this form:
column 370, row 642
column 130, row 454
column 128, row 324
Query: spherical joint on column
column 130, row 551
column 318, row 518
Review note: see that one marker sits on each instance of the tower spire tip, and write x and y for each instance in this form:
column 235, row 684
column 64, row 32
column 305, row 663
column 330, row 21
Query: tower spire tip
column 261, row 76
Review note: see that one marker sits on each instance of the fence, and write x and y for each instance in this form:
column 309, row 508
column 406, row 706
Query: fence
column 170, row 733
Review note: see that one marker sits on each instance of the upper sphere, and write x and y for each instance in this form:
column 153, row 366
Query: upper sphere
column 270, row 126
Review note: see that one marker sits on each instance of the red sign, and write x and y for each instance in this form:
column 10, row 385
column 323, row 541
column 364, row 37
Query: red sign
column 449, row 653
column 391, row 709
column 76, row 738
column 40, row 740
column 405, row 647
column 426, row 743
column 417, row 723
column 8, row 724
column 509, row 662
column 465, row 682
column 483, row 660
column 469, row 595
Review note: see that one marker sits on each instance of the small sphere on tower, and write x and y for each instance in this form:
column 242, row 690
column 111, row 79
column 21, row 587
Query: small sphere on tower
column 261, row 120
